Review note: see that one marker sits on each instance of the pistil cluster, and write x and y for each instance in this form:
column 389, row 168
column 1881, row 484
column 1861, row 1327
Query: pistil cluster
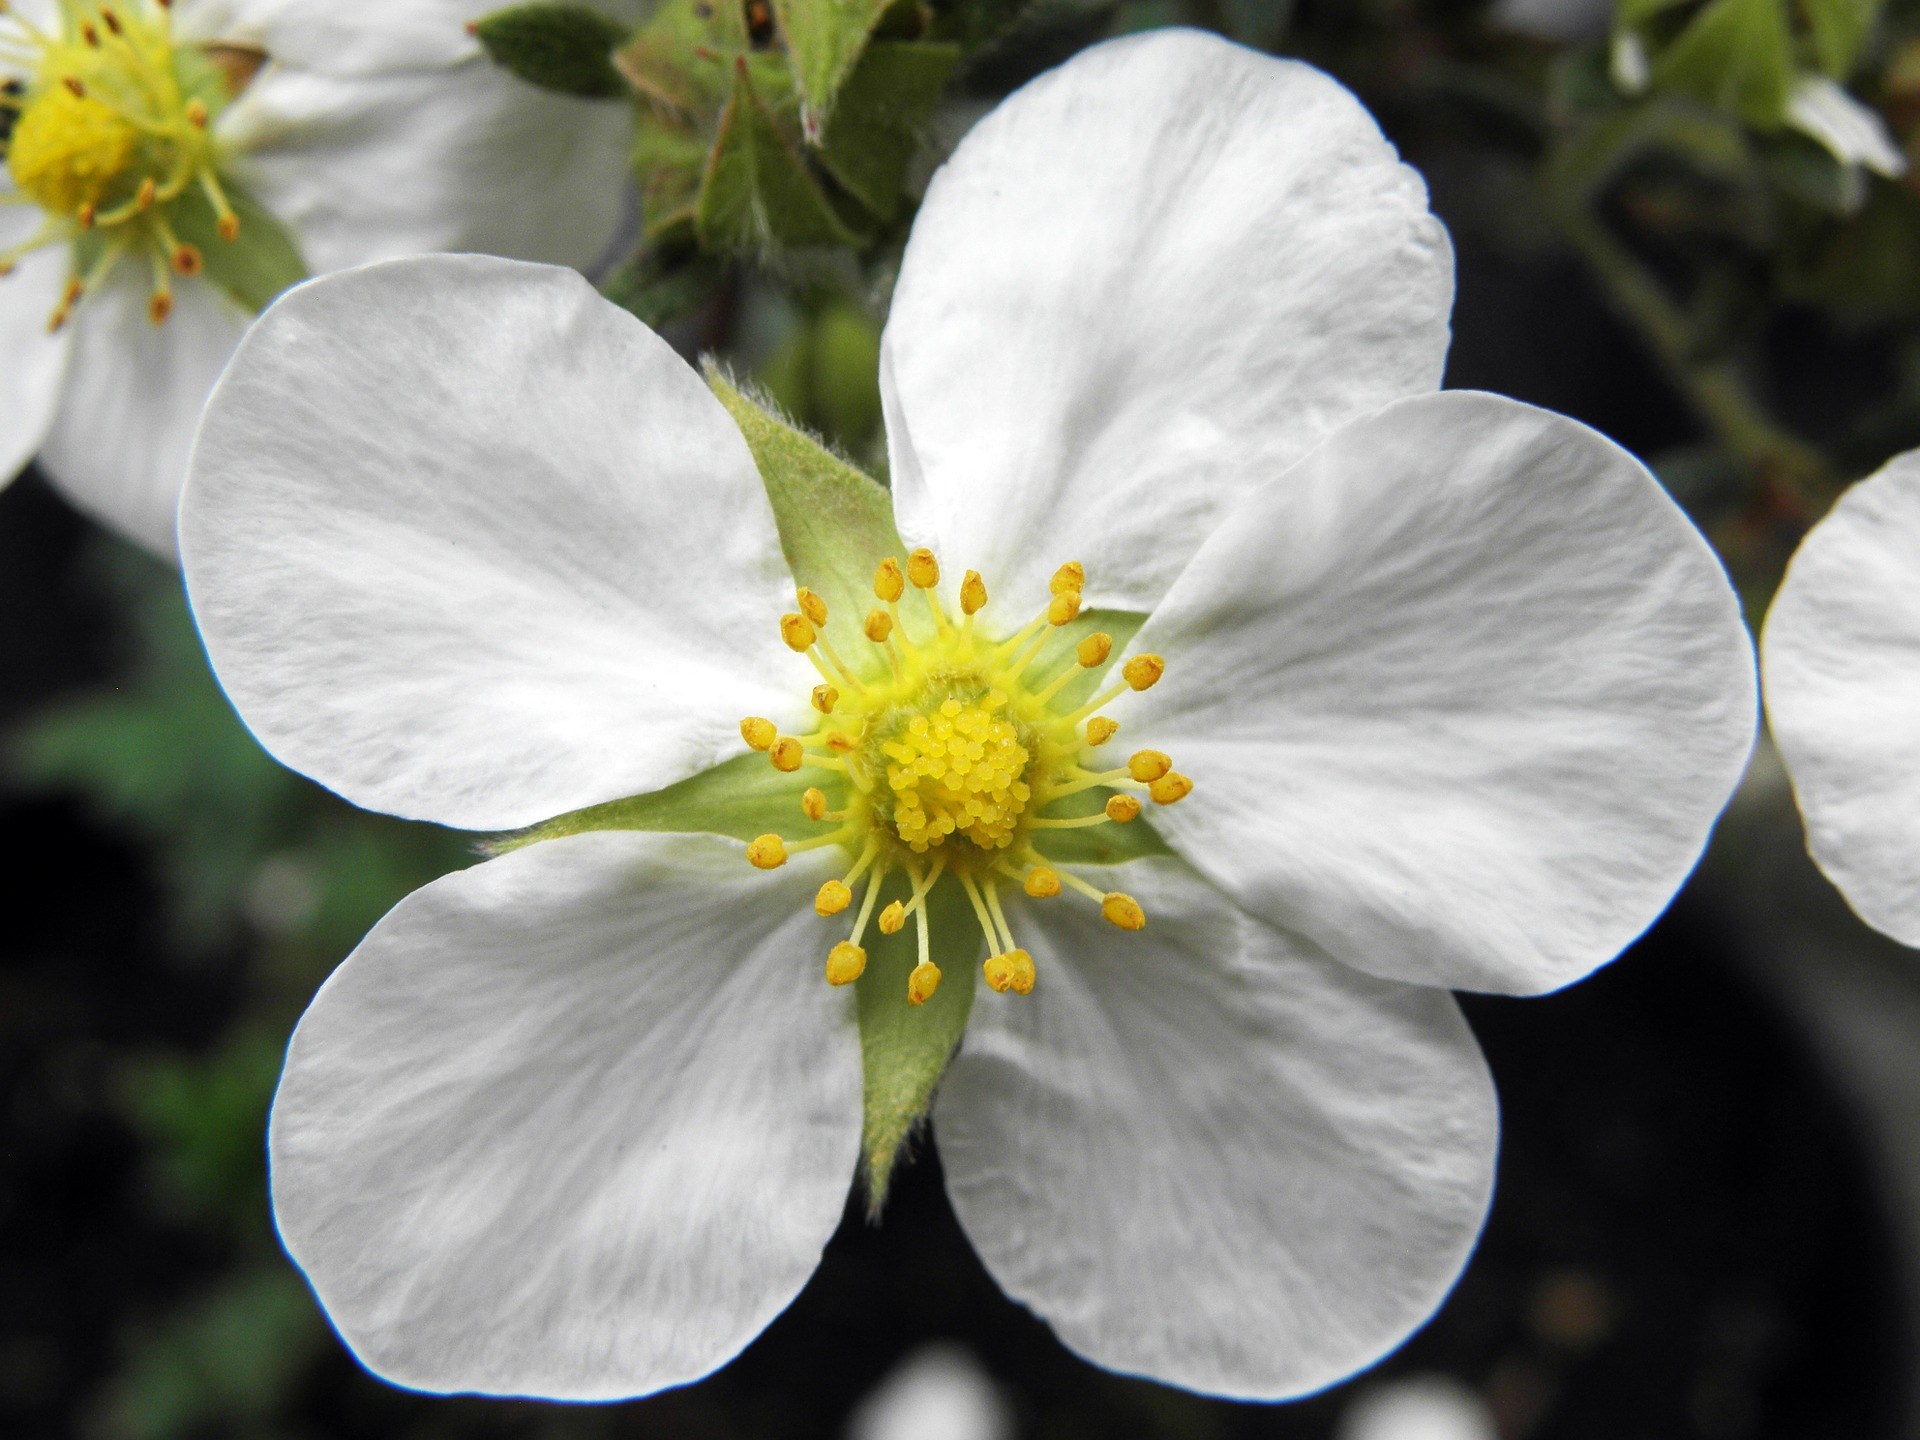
column 106, row 133
column 944, row 757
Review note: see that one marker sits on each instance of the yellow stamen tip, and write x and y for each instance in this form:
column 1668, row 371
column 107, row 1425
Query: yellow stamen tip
column 197, row 113
column 843, row 742
column 759, row 734
column 889, row 584
column 1022, row 964
column 811, row 605
column 786, row 754
column 1170, row 788
column 825, row 697
column 159, row 307
column 186, row 261
column 893, row 918
column 1042, row 882
column 1063, row 608
column 1100, row 730
column 229, row 228
column 1122, row 808
column 878, row 625
column 846, row 963
column 1094, row 650
column 1123, row 911
column 832, row 898
column 1148, row 765
column 797, row 631
column 998, row 971
column 973, row 593
column 922, row 569
column 1070, row 576
column 1143, row 672
column 769, row 852
column 921, row 984
column 814, row 803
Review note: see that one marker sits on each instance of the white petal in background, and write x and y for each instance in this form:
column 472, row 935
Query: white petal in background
column 1155, row 276
column 36, row 361
column 1417, row 1407
column 1208, row 1154
column 1852, row 133
column 469, row 544
column 574, row 1123
column 1461, row 695
column 939, row 1392
column 1840, row 654
column 118, row 449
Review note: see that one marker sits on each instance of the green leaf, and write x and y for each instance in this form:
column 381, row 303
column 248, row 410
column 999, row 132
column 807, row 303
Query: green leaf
column 1736, row 55
column 836, row 524
column 1840, row 29
column 757, row 194
column 565, row 48
column 255, row 266
column 904, row 1049
column 742, row 797
column 824, row 40
column 878, row 121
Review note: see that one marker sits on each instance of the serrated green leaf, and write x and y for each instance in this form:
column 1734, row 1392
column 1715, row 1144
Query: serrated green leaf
column 836, row 524
column 1839, row 29
column 1736, row 55
column 757, row 194
column 564, row 48
column 904, row 1049
column 824, row 40
column 877, row 122
column 742, row 797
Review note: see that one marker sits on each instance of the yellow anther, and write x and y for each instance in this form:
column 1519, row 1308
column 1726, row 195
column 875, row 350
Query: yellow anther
column 846, row 963
column 186, row 261
column 1042, row 882
column 825, row 697
column 159, row 306
column 1122, row 808
column 843, row 742
column 1148, row 765
column 1170, row 788
column 786, row 754
column 229, row 227
column 813, row 803
column 1070, row 576
column 893, row 918
column 973, row 593
column 1063, row 608
column 877, row 626
column 811, row 605
column 197, row 113
column 148, row 192
column 797, row 631
column 769, row 852
column 1124, row 911
column 1094, row 650
column 759, row 734
column 1022, row 964
column 833, row 897
column 1100, row 730
column 998, row 970
column 921, row 984
column 1143, row 672
column 924, row 571
column 888, row 583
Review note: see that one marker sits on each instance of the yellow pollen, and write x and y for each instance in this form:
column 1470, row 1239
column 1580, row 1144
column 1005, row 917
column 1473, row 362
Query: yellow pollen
column 787, row 754
column 186, row 261
column 825, row 697
column 1094, row 650
column 1070, row 576
column 893, row 919
column 1143, row 672
column 998, row 971
column 846, row 963
column 1148, row 765
column 1124, row 911
column 878, row 626
column 1122, row 808
column 1100, row 730
column 769, row 852
column 68, row 149
column 197, row 113
column 923, row 570
column 921, row 984
column 813, row 804
column 811, row 605
column 834, row 897
column 1011, row 971
column 1063, row 608
column 973, row 593
column 759, row 734
column 958, row 770
column 888, row 583
column 159, row 306
column 797, row 631
column 1170, row 788
column 1042, row 882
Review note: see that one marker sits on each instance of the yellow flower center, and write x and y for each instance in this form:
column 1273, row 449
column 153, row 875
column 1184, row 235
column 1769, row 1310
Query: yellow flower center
column 946, row 757
column 106, row 133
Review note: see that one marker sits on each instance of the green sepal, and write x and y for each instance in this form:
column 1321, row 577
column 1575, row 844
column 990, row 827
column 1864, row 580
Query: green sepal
column 836, row 524
column 878, row 119
column 256, row 265
column 564, row 48
column 667, row 278
column 742, row 797
column 904, row 1049
column 824, row 40
column 1839, row 30
column 1736, row 55
column 757, row 194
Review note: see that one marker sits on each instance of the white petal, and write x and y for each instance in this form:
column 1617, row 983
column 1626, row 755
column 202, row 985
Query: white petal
column 461, row 157
column 1207, row 1154
column 468, row 543
column 576, row 1122
column 1840, row 655
column 1461, row 695
column 134, row 393
column 36, row 363
column 1151, row 278
column 1851, row 132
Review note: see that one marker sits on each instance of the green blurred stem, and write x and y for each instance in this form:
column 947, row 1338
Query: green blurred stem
column 1713, row 387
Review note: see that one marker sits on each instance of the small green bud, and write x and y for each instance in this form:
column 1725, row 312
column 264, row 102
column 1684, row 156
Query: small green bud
column 565, row 48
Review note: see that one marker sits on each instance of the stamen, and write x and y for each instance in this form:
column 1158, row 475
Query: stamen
column 758, row 733
column 1123, row 911
column 768, row 852
column 786, row 754
column 1170, row 788
column 846, row 963
column 1064, row 608
column 1148, row 765
column 889, row 584
column 1122, row 808
column 811, row 605
column 798, row 632
column 832, row 898
column 1070, row 576
column 921, row 984
column 973, row 594
column 1094, row 650
column 922, row 569
column 1042, row 882
column 1100, row 730
column 1143, row 672
column 825, row 697
column 813, row 803
column 893, row 918
column 877, row 626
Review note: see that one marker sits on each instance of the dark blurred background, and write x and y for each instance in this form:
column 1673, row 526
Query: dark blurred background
column 1708, row 1217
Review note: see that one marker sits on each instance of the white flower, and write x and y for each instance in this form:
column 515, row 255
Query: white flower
column 1840, row 655
column 939, row 1392
column 1853, row 133
column 315, row 133
column 1458, row 688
